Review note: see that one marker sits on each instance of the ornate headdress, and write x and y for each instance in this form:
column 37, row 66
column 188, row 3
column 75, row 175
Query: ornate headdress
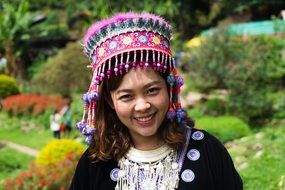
column 127, row 41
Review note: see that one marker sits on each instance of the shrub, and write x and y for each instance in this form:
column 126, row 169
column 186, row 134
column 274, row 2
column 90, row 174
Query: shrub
column 8, row 86
column 76, row 108
column 56, row 176
column 215, row 106
column 225, row 128
column 32, row 104
column 12, row 161
column 247, row 68
column 278, row 104
column 57, row 150
column 253, row 78
column 64, row 73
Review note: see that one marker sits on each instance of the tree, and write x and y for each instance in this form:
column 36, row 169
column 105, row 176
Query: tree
column 14, row 26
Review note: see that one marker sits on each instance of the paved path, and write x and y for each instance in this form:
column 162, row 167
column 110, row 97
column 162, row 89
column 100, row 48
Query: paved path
column 21, row 148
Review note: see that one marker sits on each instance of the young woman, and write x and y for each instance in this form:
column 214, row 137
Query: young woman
column 140, row 137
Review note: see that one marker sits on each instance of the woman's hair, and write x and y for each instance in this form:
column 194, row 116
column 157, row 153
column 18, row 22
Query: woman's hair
column 112, row 139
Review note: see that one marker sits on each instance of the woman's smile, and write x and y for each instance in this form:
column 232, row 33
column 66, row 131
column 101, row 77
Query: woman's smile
column 146, row 120
column 141, row 103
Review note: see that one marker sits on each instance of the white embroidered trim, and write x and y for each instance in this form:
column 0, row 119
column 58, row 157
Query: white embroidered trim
column 149, row 170
column 148, row 156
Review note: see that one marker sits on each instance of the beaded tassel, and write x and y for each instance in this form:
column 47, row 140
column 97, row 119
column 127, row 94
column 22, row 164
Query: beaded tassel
column 162, row 62
column 171, row 114
column 109, row 71
column 165, row 64
column 141, row 61
column 135, row 59
column 102, row 73
column 146, row 64
column 158, row 62
column 127, row 62
column 181, row 113
column 121, row 64
column 153, row 60
column 116, row 66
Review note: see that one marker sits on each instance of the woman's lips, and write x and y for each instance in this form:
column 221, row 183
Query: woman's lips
column 145, row 121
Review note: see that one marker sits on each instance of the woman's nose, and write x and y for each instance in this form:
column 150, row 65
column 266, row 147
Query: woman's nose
column 142, row 105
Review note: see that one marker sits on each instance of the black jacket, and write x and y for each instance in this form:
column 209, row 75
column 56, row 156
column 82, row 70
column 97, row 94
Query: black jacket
column 213, row 170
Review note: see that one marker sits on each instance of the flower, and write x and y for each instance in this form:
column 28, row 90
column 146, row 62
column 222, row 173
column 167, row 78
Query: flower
column 142, row 38
column 127, row 40
column 101, row 51
column 156, row 40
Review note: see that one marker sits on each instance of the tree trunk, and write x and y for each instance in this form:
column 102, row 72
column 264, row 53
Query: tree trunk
column 15, row 68
column 11, row 59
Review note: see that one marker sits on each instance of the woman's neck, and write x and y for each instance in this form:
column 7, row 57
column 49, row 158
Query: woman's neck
column 148, row 143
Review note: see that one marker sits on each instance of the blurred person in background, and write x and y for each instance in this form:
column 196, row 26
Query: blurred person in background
column 55, row 119
column 66, row 119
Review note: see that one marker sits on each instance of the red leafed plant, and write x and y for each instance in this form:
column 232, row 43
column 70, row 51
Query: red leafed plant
column 32, row 104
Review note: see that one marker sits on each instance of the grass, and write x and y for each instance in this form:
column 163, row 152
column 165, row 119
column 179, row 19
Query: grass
column 12, row 162
column 225, row 128
column 260, row 159
column 23, row 132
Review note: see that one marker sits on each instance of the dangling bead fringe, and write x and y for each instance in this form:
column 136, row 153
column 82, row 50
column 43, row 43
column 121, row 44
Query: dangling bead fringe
column 160, row 63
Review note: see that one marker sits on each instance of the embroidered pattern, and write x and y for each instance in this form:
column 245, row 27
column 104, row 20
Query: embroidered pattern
column 129, row 41
column 160, row 175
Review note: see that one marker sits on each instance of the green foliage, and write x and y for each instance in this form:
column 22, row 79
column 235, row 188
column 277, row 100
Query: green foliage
column 12, row 162
column 250, row 80
column 14, row 20
column 24, row 130
column 76, row 108
column 215, row 106
column 53, row 28
column 260, row 158
column 14, row 26
column 225, row 128
column 278, row 99
column 195, row 112
column 57, row 150
column 8, row 86
column 248, row 69
column 64, row 73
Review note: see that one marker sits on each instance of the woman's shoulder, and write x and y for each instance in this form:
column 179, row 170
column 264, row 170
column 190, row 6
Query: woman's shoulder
column 206, row 156
column 205, row 147
column 86, row 162
column 202, row 138
column 89, row 174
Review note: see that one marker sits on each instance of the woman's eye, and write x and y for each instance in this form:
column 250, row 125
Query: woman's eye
column 125, row 97
column 153, row 90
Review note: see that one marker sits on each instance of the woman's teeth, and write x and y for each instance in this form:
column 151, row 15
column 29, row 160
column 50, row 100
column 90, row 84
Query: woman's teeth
column 143, row 119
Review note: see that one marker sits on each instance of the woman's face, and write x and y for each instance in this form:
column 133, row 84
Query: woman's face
column 141, row 102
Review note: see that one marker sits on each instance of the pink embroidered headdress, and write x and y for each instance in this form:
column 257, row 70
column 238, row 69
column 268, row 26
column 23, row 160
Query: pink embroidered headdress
column 127, row 41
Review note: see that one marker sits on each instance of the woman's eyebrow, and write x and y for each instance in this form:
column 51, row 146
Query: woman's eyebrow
column 153, row 83
column 127, row 90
